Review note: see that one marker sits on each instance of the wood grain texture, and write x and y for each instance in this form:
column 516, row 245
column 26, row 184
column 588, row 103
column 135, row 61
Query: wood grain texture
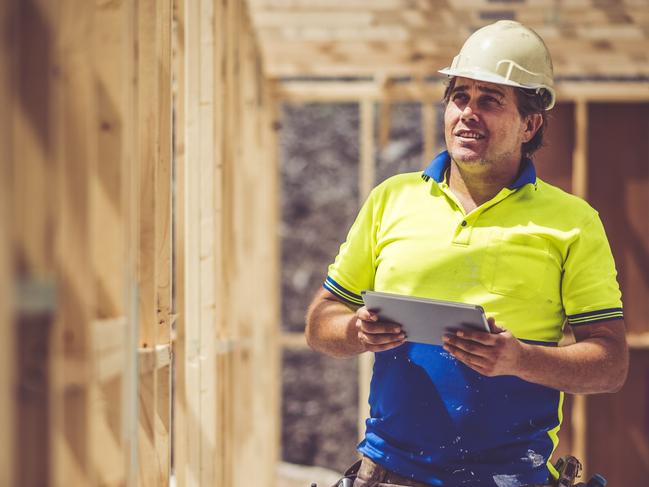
column 8, row 412
column 74, row 136
column 113, row 393
column 155, row 240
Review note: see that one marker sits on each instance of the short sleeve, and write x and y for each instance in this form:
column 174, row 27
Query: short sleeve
column 589, row 287
column 353, row 269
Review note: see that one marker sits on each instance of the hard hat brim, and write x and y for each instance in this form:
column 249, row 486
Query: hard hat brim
column 489, row 77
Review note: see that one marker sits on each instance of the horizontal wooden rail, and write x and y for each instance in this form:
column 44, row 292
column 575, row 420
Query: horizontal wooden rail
column 336, row 91
column 293, row 340
column 638, row 340
column 109, row 347
column 150, row 359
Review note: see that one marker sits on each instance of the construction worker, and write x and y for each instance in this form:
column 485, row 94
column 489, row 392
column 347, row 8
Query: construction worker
column 477, row 227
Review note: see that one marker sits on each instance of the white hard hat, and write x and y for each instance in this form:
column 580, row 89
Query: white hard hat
column 508, row 53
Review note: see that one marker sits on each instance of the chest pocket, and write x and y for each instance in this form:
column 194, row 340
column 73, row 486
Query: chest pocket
column 516, row 265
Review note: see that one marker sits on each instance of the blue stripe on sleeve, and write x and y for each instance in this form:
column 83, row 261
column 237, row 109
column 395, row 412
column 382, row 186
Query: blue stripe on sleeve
column 593, row 313
column 598, row 316
column 332, row 286
column 597, row 320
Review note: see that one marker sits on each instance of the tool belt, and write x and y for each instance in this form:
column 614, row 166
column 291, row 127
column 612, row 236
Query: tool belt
column 367, row 473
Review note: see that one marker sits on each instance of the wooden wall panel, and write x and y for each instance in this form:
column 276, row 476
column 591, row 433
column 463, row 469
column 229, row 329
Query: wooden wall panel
column 92, row 175
column 619, row 189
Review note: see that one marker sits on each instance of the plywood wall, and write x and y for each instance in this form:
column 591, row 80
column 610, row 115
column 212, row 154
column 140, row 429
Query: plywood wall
column 138, row 244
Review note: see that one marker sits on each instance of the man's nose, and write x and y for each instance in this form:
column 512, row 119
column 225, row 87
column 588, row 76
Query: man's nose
column 469, row 112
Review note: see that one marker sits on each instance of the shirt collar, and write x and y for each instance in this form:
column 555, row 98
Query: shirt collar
column 438, row 165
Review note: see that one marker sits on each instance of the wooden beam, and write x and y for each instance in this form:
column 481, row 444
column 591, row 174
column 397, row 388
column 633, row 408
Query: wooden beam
column 110, row 349
column 8, row 410
column 580, row 188
column 366, row 183
column 638, row 340
column 429, row 130
column 163, row 190
column 72, row 151
column 385, row 112
column 113, row 395
column 335, row 91
column 367, row 148
column 154, row 146
column 184, row 425
column 293, row 340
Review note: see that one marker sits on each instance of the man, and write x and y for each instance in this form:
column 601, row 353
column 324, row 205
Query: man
column 480, row 228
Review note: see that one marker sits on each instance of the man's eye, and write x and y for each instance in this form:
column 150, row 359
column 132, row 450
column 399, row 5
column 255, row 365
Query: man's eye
column 491, row 99
column 460, row 96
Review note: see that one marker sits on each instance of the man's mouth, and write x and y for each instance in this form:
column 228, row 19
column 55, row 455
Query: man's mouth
column 469, row 134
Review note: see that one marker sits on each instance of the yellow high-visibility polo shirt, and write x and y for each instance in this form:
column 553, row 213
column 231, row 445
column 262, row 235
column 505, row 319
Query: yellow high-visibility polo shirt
column 532, row 257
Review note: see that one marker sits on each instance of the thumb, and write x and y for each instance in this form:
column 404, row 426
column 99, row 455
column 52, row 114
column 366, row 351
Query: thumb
column 493, row 327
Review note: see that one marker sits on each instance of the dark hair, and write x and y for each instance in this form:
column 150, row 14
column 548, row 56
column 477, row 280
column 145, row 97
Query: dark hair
column 528, row 102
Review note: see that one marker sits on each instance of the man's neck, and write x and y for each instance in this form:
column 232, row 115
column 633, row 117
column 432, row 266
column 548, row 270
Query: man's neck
column 476, row 184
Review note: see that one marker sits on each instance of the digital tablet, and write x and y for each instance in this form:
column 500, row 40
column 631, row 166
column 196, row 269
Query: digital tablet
column 425, row 320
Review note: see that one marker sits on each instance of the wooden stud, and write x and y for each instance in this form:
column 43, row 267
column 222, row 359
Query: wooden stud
column 580, row 153
column 147, row 143
column 74, row 136
column 181, row 433
column 114, row 391
column 163, row 238
column 580, row 188
column 385, row 112
column 366, row 183
column 429, row 129
column 32, row 159
column 8, row 412
column 154, row 147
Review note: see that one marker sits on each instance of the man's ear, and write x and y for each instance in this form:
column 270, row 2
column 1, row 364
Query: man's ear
column 534, row 122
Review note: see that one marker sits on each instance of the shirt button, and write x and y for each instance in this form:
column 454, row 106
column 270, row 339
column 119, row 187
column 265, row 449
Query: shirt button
column 463, row 223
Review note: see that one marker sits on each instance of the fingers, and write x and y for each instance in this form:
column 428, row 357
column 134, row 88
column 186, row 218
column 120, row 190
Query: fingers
column 366, row 315
column 481, row 337
column 379, row 343
column 493, row 327
column 467, row 346
column 375, row 335
column 368, row 322
column 466, row 356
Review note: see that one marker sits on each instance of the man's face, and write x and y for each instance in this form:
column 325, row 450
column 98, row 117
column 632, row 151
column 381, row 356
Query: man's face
column 482, row 124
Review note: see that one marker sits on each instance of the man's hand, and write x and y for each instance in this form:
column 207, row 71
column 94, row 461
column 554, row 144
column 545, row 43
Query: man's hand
column 491, row 354
column 375, row 335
